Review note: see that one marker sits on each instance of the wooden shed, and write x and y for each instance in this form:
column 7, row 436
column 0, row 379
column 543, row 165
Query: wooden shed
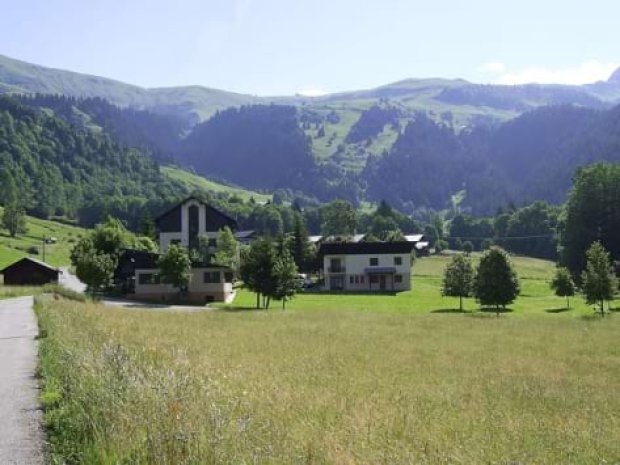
column 29, row 271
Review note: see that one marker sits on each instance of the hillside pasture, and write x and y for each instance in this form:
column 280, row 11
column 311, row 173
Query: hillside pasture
column 58, row 254
column 337, row 379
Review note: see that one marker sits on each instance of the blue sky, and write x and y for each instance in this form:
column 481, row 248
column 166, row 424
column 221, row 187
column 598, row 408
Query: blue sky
column 274, row 47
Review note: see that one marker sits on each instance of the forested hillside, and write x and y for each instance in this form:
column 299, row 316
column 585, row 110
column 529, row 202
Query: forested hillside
column 158, row 134
column 259, row 146
column 530, row 158
column 58, row 169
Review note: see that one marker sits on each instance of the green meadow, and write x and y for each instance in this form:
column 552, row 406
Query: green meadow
column 14, row 248
column 335, row 379
column 195, row 181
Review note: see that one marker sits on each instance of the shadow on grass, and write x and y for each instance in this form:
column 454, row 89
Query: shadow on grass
column 238, row 309
column 495, row 310
column 558, row 310
column 352, row 293
column 450, row 310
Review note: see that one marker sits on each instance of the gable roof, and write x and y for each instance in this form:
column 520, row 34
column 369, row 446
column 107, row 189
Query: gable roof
column 231, row 221
column 33, row 260
column 363, row 248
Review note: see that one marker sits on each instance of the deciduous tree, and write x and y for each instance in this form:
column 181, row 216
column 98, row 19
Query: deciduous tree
column 458, row 279
column 562, row 284
column 175, row 267
column 496, row 282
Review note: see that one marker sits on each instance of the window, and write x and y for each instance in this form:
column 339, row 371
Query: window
column 351, row 279
column 148, row 278
column 212, row 277
column 212, row 242
column 362, row 279
column 374, row 278
column 398, row 260
column 228, row 277
column 374, row 261
column 175, row 242
column 357, row 279
column 398, row 278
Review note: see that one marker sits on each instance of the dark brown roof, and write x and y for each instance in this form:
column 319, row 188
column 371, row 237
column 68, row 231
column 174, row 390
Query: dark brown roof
column 363, row 248
column 33, row 260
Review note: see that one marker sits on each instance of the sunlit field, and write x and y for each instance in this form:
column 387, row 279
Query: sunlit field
column 351, row 379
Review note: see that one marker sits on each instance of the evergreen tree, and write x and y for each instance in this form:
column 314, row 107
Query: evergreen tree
column 458, row 279
column 562, row 284
column 496, row 282
column 175, row 267
column 599, row 282
column 300, row 245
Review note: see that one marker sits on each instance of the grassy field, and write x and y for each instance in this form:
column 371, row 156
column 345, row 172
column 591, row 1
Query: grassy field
column 13, row 248
column 198, row 182
column 354, row 379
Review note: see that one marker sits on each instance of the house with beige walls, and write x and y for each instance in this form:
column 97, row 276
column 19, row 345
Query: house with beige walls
column 367, row 266
column 137, row 273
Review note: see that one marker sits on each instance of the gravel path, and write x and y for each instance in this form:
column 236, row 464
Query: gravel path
column 21, row 436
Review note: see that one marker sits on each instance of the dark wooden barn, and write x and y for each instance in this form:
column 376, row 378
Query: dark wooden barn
column 29, row 271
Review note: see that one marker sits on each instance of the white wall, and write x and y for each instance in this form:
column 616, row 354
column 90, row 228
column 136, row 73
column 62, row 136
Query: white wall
column 355, row 265
column 165, row 238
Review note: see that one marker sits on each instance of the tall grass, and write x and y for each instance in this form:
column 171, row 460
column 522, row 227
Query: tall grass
column 321, row 386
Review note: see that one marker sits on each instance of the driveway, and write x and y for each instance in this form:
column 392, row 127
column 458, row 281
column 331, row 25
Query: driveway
column 70, row 281
column 21, row 436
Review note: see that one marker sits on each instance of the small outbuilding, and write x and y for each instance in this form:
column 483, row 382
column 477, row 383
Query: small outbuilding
column 29, row 271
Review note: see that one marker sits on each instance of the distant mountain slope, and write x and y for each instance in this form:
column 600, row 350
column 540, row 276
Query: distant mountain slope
column 193, row 103
column 197, row 103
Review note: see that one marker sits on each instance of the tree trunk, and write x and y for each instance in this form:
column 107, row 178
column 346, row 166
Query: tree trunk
column 461, row 302
column 258, row 300
column 567, row 302
column 284, row 303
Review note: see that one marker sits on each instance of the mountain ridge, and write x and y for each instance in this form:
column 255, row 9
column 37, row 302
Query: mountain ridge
column 196, row 103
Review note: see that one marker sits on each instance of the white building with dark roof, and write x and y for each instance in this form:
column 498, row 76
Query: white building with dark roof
column 367, row 266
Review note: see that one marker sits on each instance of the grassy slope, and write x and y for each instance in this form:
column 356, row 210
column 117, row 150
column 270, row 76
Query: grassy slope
column 19, row 76
column 13, row 248
column 328, row 383
column 199, row 182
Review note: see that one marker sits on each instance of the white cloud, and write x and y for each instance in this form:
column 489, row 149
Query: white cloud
column 583, row 73
column 311, row 91
column 492, row 67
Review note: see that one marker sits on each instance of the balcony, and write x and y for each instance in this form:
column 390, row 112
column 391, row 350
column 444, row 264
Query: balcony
column 336, row 269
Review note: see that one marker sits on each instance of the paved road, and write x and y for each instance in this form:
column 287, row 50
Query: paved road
column 21, row 436
column 70, row 281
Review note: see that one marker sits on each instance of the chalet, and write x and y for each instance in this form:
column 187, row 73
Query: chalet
column 367, row 266
column 137, row 273
column 186, row 222
column 29, row 271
